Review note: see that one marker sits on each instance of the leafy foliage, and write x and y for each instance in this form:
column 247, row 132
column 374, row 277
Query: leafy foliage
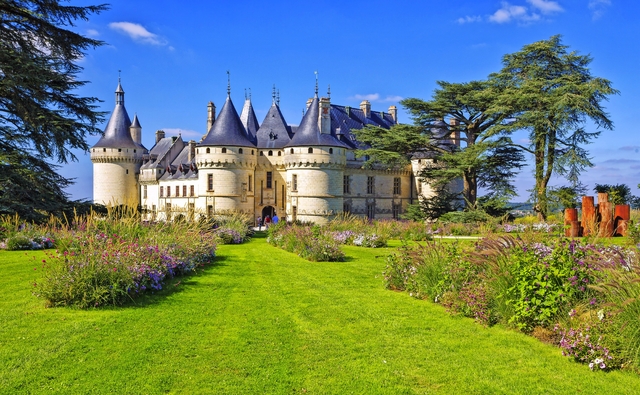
column 552, row 94
column 41, row 116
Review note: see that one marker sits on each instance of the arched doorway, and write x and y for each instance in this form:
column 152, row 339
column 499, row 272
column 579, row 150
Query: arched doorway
column 268, row 210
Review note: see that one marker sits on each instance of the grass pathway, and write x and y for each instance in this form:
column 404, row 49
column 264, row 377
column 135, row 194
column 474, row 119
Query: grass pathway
column 264, row 321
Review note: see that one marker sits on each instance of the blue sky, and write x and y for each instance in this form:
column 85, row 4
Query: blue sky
column 174, row 57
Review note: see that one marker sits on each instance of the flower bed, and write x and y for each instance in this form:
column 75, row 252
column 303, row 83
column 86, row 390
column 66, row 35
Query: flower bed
column 582, row 297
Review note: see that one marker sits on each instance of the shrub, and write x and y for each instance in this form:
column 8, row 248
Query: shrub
column 310, row 243
column 19, row 242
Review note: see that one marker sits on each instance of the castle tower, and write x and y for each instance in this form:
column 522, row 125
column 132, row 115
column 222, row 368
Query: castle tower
column 249, row 120
column 117, row 158
column 226, row 159
column 315, row 161
column 270, row 176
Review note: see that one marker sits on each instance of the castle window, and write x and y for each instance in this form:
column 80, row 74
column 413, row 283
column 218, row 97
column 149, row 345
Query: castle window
column 250, row 183
column 184, row 190
column 279, row 153
column 209, row 182
column 270, row 153
column 177, row 190
column 346, row 207
column 239, row 150
column 208, row 150
column 192, row 190
column 269, row 179
column 161, row 191
column 104, row 150
column 346, row 184
column 119, row 149
column 310, row 150
column 168, row 191
column 294, row 182
column 224, row 150
column 251, row 152
column 126, row 171
column 396, row 186
column 291, row 150
column 144, row 191
column 396, row 211
column 331, row 150
column 371, row 184
column 261, row 153
column 419, row 187
column 371, row 210
column 134, row 151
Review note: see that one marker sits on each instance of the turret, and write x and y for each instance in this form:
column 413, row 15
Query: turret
column 117, row 158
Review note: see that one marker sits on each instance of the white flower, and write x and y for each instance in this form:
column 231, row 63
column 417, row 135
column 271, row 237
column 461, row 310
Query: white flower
column 601, row 314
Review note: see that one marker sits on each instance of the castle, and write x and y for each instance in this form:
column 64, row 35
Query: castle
column 307, row 172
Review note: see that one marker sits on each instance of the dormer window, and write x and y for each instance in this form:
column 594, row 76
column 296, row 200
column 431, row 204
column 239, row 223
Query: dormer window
column 224, row 150
column 208, row 150
column 239, row 150
column 270, row 153
column 310, row 150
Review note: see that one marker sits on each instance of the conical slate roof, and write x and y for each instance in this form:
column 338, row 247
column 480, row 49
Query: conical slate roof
column 308, row 133
column 135, row 123
column 227, row 129
column 249, row 120
column 116, row 134
column 274, row 132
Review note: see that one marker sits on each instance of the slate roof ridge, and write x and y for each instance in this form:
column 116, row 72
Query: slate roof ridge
column 308, row 133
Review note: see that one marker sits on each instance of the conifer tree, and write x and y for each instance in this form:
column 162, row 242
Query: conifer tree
column 42, row 119
column 553, row 94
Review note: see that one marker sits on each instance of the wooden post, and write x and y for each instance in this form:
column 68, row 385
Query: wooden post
column 588, row 216
column 621, row 217
column 606, row 219
column 570, row 216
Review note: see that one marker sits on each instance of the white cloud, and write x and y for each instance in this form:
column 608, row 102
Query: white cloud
column 524, row 15
column 370, row 97
column 598, row 7
column 546, row 6
column 375, row 97
column 93, row 33
column 137, row 33
column 469, row 19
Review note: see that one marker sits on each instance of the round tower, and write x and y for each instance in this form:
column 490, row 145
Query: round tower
column 117, row 158
column 315, row 161
column 226, row 161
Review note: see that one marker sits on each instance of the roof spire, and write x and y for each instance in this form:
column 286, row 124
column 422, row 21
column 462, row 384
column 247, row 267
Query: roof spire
column 273, row 94
column 245, row 93
column 249, row 93
column 228, row 84
column 278, row 98
column 119, row 92
column 316, row 73
column 329, row 91
column 119, row 71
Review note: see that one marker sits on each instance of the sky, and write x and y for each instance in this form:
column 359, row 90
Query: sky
column 173, row 58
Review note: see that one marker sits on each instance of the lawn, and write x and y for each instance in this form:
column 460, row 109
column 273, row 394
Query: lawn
column 264, row 321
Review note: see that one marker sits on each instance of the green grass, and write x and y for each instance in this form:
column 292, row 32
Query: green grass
column 264, row 321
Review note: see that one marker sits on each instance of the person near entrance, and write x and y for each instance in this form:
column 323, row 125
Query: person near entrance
column 275, row 218
column 259, row 222
column 267, row 222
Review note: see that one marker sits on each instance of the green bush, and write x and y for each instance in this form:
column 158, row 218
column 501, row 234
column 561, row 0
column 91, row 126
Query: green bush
column 312, row 243
column 19, row 242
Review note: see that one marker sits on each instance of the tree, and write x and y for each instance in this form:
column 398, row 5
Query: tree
column 41, row 118
column 618, row 194
column 553, row 94
column 470, row 147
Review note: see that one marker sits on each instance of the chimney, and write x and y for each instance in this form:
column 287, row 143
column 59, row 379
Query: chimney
column 192, row 151
column 454, row 126
column 365, row 106
column 393, row 111
column 325, row 116
column 211, row 115
column 159, row 135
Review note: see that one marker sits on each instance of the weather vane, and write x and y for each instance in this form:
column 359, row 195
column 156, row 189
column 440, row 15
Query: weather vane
column 228, row 83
